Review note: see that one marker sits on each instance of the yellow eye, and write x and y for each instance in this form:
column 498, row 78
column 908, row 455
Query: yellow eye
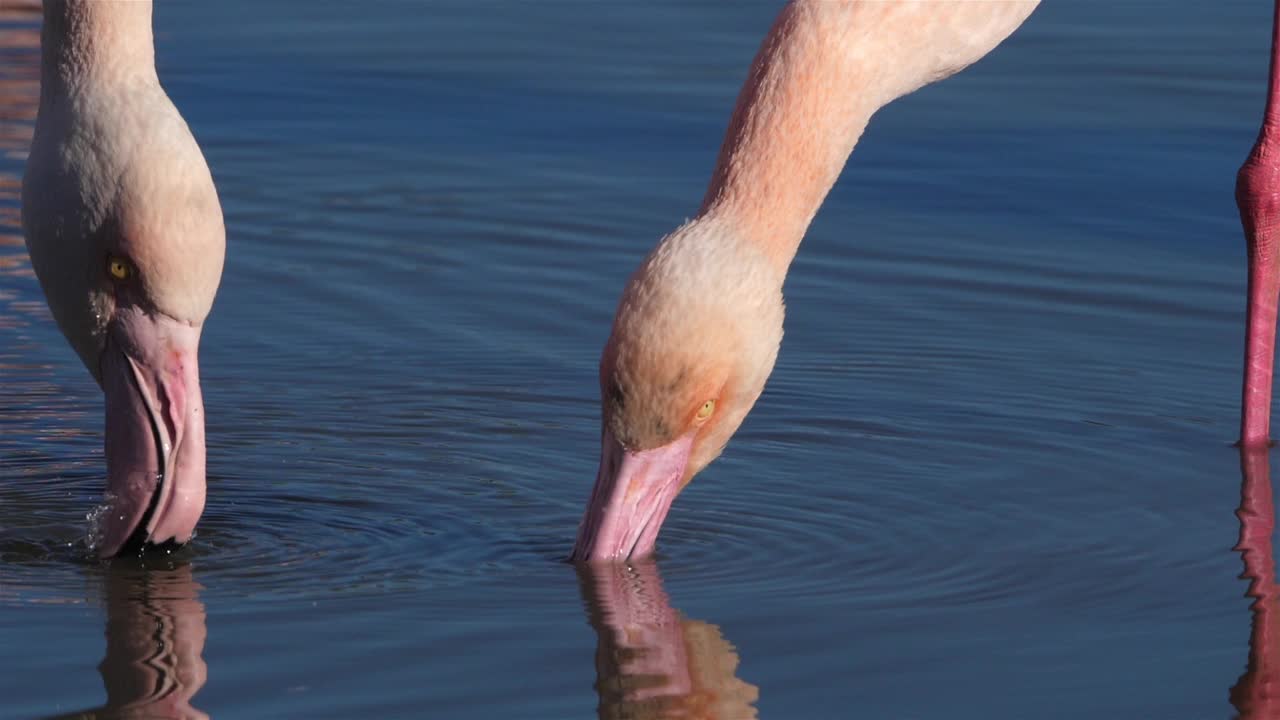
column 707, row 408
column 119, row 268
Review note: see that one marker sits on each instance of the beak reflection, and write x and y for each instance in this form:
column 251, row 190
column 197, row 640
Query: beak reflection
column 651, row 662
column 154, row 662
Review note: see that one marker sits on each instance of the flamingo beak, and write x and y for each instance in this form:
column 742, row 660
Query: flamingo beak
column 154, row 432
column 633, row 493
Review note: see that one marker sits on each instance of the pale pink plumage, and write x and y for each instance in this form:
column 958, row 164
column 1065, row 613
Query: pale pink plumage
column 701, row 320
column 116, row 181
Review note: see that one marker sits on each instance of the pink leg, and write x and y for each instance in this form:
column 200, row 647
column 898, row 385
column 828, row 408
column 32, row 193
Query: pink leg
column 1258, row 196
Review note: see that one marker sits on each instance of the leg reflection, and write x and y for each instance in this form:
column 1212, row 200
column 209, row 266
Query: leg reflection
column 1257, row 693
column 652, row 663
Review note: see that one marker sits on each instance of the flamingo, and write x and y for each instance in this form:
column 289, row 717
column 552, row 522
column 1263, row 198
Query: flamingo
column 125, row 233
column 698, row 327
column 697, row 330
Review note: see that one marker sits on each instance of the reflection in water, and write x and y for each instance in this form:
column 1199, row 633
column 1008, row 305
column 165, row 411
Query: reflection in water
column 36, row 408
column 155, row 637
column 1257, row 693
column 650, row 662
column 19, row 97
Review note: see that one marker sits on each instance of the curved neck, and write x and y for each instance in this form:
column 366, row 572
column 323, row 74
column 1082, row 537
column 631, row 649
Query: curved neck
column 825, row 67
column 88, row 41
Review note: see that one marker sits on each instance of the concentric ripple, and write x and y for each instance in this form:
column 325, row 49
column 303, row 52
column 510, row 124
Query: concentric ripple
column 911, row 527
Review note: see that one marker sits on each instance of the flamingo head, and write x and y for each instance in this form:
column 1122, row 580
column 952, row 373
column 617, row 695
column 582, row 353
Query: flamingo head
column 694, row 339
column 130, row 270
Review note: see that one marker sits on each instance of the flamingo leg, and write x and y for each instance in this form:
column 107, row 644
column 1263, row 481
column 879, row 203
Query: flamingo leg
column 1258, row 197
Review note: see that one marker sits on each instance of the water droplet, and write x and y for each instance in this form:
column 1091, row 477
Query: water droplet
column 94, row 517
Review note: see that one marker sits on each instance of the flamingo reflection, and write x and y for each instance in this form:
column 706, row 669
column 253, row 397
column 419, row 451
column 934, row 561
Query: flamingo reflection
column 651, row 662
column 155, row 640
column 1257, row 693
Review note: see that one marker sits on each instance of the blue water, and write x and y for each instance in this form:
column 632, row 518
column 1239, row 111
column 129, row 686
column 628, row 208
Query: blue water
column 991, row 475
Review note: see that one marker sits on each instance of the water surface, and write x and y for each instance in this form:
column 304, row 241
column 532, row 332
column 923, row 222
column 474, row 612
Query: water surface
column 990, row 477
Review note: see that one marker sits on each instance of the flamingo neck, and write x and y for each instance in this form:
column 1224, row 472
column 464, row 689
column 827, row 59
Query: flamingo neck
column 797, row 119
column 825, row 67
column 88, row 42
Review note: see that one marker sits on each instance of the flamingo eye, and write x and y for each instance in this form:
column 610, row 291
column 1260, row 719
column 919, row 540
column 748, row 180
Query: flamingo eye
column 707, row 408
column 119, row 268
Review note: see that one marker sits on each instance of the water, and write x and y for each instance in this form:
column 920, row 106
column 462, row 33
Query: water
column 990, row 477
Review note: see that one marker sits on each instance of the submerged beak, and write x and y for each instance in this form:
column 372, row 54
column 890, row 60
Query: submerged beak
column 154, row 432
column 633, row 493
